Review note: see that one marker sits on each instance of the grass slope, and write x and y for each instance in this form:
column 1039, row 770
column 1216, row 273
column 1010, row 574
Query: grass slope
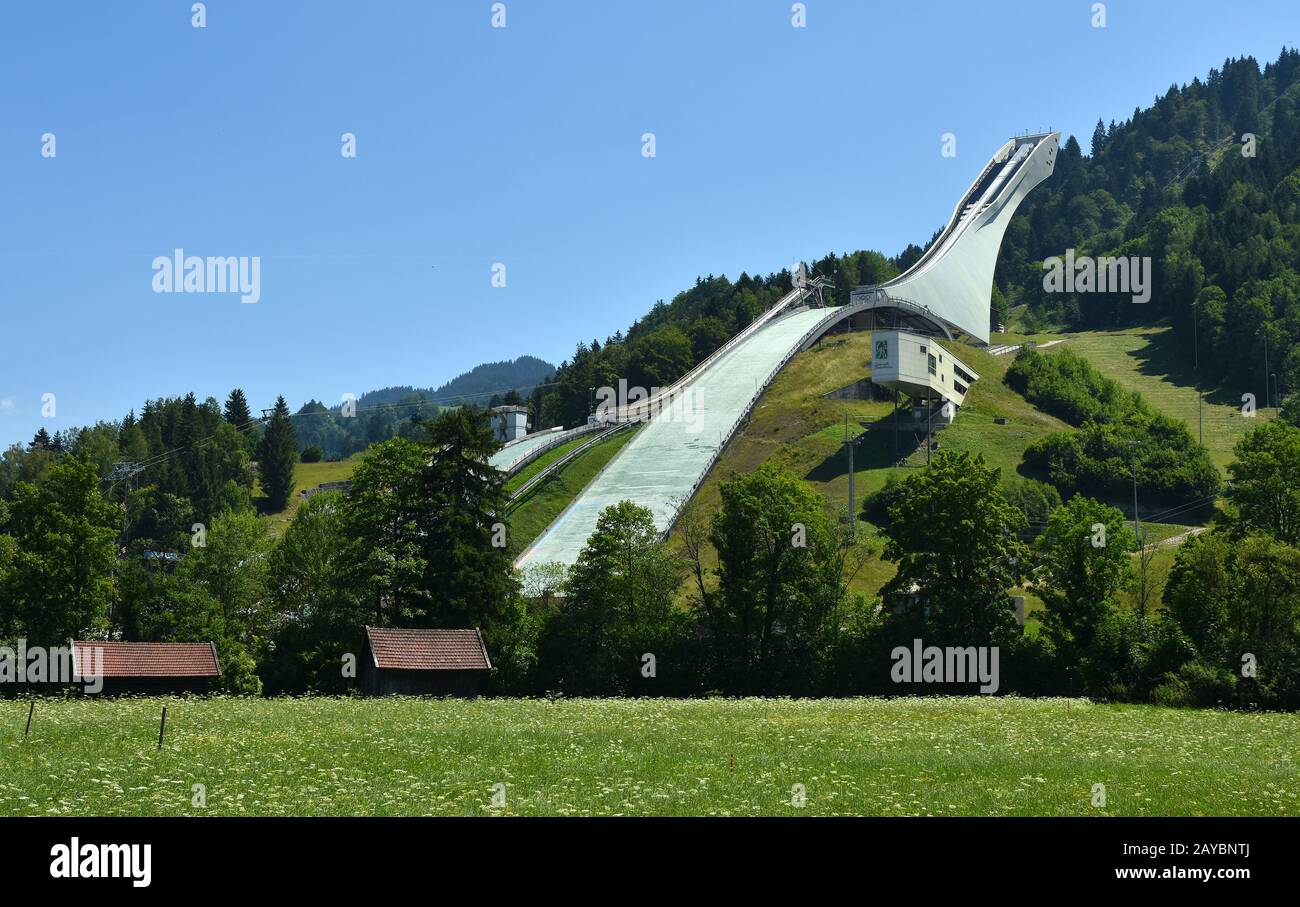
column 1148, row 361
column 308, row 475
column 396, row 756
column 795, row 425
column 545, row 460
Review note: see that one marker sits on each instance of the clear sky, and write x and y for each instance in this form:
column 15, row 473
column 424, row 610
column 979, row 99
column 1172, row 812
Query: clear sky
column 477, row 145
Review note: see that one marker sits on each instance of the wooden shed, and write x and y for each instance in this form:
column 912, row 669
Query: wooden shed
column 148, row 668
column 422, row 662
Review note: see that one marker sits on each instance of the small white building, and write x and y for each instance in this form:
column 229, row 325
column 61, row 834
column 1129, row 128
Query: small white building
column 920, row 368
column 509, row 422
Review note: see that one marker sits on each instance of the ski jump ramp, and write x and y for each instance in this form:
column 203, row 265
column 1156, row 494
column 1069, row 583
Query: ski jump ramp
column 661, row 467
column 945, row 293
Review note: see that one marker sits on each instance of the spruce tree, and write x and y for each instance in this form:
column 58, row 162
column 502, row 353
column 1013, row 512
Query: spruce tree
column 467, row 568
column 236, row 411
column 276, row 457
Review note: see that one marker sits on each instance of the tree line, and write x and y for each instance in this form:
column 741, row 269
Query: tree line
column 756, row 598
column 1205, row 182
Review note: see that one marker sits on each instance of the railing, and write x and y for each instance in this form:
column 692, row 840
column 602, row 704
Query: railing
column 559, row 464
column 561, row 437
column 804, row 341
column 784, row 302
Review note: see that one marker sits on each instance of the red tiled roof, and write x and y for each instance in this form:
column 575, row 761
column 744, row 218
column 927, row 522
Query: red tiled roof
column 147, row 659
column 428, row 650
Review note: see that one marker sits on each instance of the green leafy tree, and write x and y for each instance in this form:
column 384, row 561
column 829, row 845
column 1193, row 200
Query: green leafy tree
column 781, row 566
column 318, row 620
column 707, row 335
column 956, row 541
column 236, row 412
column 1200, row 584
column 221, row 592
column 1265, row 487
column 383, row 560
column 1084, row 563
column 468, row 571
column 59, row 580
column 421, row 519
column 617, row 607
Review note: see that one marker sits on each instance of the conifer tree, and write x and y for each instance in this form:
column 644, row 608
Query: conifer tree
column 236, row 411
column 276, row 457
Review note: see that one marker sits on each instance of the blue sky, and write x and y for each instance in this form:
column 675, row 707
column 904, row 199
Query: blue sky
column 478, row 145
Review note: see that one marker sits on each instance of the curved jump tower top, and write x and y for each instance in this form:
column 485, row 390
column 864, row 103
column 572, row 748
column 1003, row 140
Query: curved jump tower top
column 948, row 290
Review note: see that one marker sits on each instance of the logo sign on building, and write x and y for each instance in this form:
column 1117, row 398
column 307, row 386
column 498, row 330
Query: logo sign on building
column 882, row 350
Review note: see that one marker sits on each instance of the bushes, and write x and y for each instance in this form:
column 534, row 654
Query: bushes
column 1099, row 459
column 1067, row 386
column 1196, row 684
column 311, row 454
column 1115, row 428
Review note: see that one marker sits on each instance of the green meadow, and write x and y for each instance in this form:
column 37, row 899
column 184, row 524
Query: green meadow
column 774, row 757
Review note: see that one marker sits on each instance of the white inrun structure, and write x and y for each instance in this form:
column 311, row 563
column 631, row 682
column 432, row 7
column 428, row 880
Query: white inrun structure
column 945, row 294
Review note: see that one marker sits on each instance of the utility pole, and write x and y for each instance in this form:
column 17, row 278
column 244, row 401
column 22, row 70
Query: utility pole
column 848, row 442
column 1137, row 523
column 1196, row 336
column 927, row 428
column 895, row 426
column 123, row 470
column 1264, row 330
column 1196, row 359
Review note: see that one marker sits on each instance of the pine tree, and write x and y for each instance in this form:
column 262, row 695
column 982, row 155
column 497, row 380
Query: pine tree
column 276, row 457
column 41, row 441
column 1098, row 138
column 236, row 411
column 467, row 574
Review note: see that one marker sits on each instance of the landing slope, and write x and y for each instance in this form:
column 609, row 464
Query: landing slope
column 660, row 467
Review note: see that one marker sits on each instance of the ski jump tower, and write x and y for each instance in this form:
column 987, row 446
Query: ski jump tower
column 947, row 292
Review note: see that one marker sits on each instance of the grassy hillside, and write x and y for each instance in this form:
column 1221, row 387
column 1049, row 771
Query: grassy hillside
column 795, row 424
column 309, row 475
column 1146, row 360
column 397, row 756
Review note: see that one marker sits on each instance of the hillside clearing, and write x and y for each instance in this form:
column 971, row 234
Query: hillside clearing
column 1145, row 360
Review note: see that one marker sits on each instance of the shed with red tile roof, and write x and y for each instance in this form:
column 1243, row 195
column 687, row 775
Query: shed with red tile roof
column 148, row 667
column 422, row 662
